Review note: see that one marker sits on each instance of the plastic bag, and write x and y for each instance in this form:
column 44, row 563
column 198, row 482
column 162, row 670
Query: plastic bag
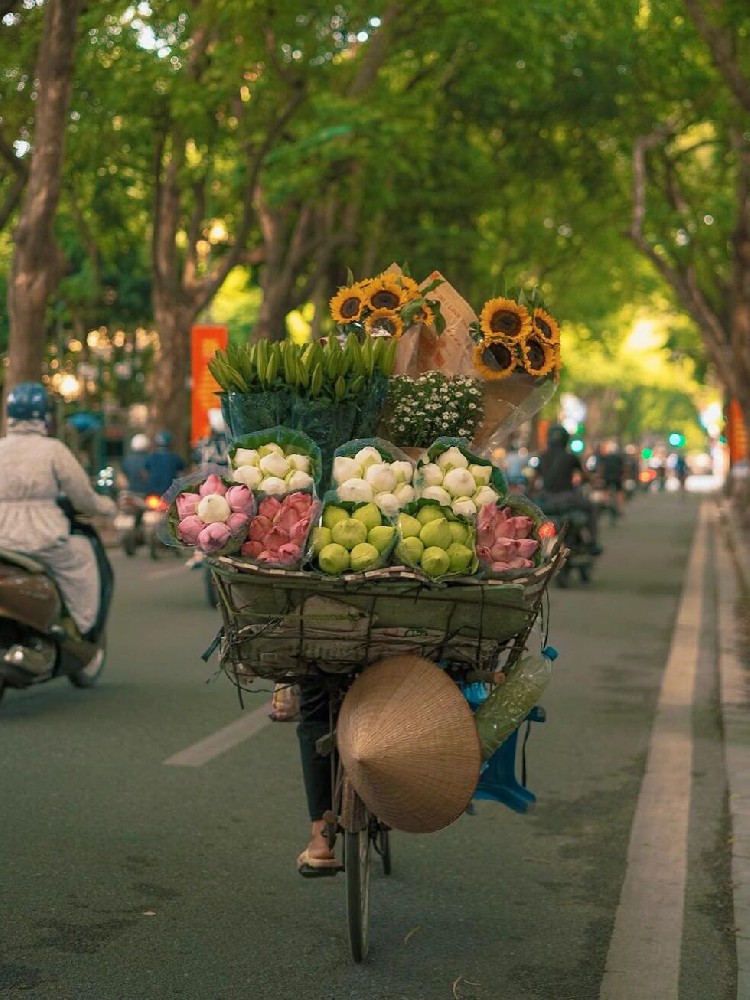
column 252, row 411
column 189, row 524
column 327, row 422
column 416, row 539
column 292, row 442
column 346, row 535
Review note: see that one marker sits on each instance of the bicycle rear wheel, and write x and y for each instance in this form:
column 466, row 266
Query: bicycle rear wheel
column 357, row 865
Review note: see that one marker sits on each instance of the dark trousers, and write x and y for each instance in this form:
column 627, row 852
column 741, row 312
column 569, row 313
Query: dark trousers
column 316, row 769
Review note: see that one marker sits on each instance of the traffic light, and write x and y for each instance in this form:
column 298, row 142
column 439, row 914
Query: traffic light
column 577, row 445
column 647, row 453
column 676, row 440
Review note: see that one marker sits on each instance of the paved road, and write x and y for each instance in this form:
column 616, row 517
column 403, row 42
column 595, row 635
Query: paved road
column 128, row 878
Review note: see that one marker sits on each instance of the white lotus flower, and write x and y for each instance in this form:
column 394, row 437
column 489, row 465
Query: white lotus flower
column 274, row 465
column 431, row 474
column 481, row 474
column 452, row 458
column 464, row 505
column 270, row 448
column 273, row 486
column 245, row 456
column 368, row 456
column 381, row 477
column 485, row 495
column 300, row 462
column 459, row 483
column 299, row 480
column 213, row 508
column 346, row 468
column 388, row 503
column 404, row 493
column 403, row 471
column 442, row 496
column 355, row 490
column 248, row 475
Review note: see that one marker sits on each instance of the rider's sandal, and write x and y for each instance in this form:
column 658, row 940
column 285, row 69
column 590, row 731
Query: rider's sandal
column 310, row 867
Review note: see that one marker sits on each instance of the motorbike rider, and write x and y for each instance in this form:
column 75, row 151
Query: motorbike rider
column 134, row 465
column 34, row 471
column 557, row 468
column 163, row 465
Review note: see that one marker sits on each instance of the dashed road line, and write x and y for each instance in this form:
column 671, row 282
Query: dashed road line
column 223, row 740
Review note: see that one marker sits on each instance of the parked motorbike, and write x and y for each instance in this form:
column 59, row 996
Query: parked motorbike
column 137, row 522
column 38, row 642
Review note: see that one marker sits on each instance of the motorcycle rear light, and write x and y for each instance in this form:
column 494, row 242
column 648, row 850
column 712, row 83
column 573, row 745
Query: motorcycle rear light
column 155, row 503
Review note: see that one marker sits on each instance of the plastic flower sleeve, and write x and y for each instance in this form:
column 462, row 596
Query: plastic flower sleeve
column 508, row 540
column 253, row 449
column 435, row 541
column 351, row 537
column 507, row 405
column 373, row 470
column 207, row 511
column 254, row 411
column 279, row 534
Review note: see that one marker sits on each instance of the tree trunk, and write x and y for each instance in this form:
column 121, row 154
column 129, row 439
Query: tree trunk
column 171, row 386
column 38, row 263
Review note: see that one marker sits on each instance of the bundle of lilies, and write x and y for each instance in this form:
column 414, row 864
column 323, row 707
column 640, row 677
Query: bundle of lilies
column 516, row 334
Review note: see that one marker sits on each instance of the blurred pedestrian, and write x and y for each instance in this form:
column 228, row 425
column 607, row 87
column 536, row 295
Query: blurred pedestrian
column 163, row 465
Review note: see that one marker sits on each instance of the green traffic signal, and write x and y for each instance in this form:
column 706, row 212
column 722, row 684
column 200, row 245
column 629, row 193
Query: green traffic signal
column 647, row 453
column 577, row 445
column 676, row 440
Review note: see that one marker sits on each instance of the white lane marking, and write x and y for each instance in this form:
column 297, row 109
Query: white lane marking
column 643, row 961
column 223, row 739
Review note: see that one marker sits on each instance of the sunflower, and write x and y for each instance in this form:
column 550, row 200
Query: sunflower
column 409, row 286
column 504, row 319
column 347, row 304
column 384, row 320
column 494, row 360
column 423, row 315
column 538, row 355
column 385, row 293
column 546, row 326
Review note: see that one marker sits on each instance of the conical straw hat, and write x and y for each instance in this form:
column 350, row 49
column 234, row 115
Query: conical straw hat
column 409, row 745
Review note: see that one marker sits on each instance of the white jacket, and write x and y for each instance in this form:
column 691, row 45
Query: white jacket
column 34, row 470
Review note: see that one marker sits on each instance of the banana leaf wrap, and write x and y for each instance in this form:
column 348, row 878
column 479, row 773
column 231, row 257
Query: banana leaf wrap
column 497, row 479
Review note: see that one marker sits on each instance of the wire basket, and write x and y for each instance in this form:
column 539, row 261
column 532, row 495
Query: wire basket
column 283, row 625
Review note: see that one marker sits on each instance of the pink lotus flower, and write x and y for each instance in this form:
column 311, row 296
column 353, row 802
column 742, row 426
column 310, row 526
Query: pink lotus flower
column 269, row 507
column 187, row 504
column 502, row 549
column 520, row 564
column 286, row 519
column 522, row 526
column 485, row 536
column 259, row 528
column 289, row 553
column 484, row 553
column 500, row 567
column 251, row 549
column 504, row 528
column 525, row 547
column 212, row 485
column 237, row 524
column 240, row 499
column 486, row 517
column 300, row 531
column 275, row 538
column 300, row 502
column 267, row 557
column 213, row 537
column 189, row 529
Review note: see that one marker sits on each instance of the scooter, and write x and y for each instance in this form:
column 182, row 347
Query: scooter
column 137, row 522
column 38, row 642
column 574, row 521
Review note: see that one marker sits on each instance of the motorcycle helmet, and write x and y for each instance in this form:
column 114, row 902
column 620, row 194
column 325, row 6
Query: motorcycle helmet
column 163, row 439
column 139, row 443
column 28, row 401
column 557, row 436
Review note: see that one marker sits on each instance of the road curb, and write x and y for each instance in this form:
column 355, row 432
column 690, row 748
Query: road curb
column 733, row 574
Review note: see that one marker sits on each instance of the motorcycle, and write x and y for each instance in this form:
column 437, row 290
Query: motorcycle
column 137, row 522
column 573, row 523
column 38, row 643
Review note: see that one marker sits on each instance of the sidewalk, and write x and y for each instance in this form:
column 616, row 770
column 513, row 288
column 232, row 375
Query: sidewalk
column 733, row 578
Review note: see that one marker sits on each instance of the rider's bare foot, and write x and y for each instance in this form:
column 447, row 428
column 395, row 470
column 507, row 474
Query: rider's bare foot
column 318, row 846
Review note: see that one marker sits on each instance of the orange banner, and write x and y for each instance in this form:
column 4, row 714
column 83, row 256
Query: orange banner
column 205, row 341
column 736, row 433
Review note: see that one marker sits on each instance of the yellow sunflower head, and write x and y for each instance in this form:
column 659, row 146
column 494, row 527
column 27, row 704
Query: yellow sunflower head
column 504, row 319
column 423, row 315
column 347, row 304
column 385, row 293
column 409, row 288
column 545, row 326
column 538, row 355
column 494, row 360
column 384, row 321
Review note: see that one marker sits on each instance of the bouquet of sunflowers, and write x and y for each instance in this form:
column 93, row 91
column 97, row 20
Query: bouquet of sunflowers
column 513, row 335
column 387, row 305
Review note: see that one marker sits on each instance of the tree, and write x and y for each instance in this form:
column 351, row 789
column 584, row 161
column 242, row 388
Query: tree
column 38, row 262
